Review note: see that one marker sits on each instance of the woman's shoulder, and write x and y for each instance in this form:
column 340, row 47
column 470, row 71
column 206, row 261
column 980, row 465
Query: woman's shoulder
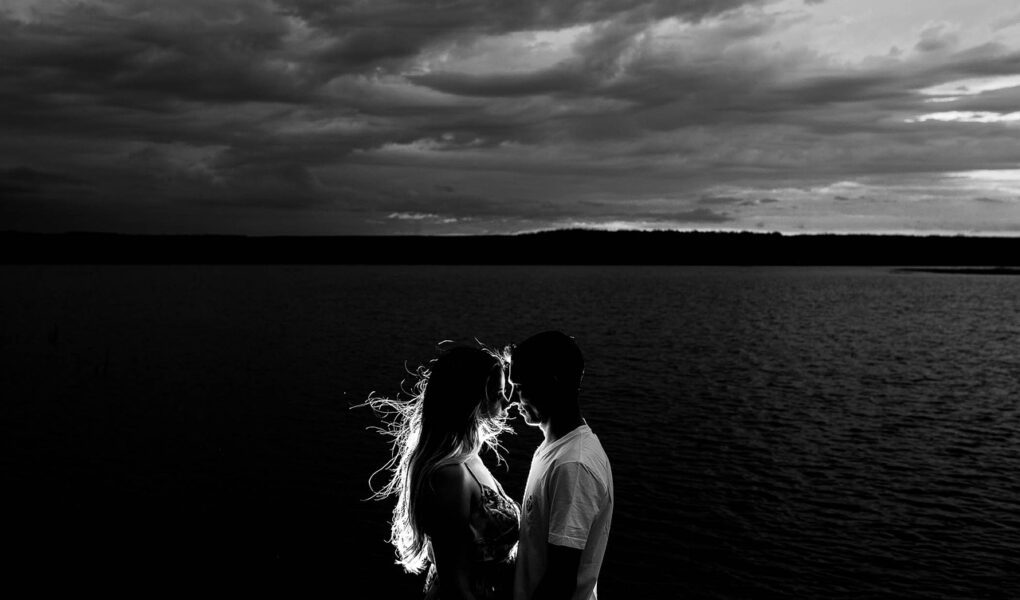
column 449, row 482
column 449, row 492
column 453, row 475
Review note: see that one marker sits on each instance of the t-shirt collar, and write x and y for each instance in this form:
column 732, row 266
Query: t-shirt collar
column 580, row 429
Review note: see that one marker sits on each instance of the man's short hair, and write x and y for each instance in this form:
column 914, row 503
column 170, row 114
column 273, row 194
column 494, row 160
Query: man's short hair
column 549, row 358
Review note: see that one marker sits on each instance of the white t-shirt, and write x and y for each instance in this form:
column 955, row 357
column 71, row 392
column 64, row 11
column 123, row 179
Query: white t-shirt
column 568, row 502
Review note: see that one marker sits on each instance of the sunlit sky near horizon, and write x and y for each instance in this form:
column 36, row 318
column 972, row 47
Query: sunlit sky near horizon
column 329, row 117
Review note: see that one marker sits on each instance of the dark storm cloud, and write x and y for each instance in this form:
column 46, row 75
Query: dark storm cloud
column 222, row 52
column 1001, row 101
column 361, row 36
column 758, row 202
column 493, row 16
column 937, row 37
column 29, row 181
column 700, row 215
column 370, row 47
column 718, row 200
column 585, row 74
column 26, row 193
column 1005, row 22
column 983, row 60
column 315, row 105
column 556, row 80
column 646, row 80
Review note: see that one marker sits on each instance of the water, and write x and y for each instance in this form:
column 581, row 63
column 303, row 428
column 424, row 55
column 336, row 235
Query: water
column 774, row 432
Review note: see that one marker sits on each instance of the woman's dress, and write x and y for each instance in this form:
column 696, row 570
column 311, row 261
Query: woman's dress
column 496, row 525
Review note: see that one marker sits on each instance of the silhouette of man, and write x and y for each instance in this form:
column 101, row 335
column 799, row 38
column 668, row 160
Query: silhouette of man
column 568, row 501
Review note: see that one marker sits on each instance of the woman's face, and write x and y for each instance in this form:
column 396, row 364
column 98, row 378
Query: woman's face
column 495, row 397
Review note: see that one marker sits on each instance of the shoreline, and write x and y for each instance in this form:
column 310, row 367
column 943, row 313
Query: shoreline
column 564, row 247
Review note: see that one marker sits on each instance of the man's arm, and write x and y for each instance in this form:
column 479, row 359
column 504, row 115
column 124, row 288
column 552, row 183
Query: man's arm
column 560, row 579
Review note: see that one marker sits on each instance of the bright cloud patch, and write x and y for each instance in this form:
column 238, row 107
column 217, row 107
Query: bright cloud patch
column 518, row 52
column 412, row 216
column 973, row 86
column 1011, row 175
column 964, row 116
column 999, row 184
column 1000, row 179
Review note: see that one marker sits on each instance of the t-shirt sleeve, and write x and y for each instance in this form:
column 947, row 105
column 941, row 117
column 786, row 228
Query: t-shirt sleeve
column 575, row 498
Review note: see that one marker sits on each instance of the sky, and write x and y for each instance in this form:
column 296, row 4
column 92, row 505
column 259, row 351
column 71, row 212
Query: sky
column 333, row 117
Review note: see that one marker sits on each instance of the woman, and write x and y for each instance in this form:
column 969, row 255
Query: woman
column 452, row 517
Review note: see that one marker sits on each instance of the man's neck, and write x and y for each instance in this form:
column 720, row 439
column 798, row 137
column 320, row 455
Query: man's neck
column 557, row 427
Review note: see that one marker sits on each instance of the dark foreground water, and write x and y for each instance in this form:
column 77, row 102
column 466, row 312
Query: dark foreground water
column 774, row 432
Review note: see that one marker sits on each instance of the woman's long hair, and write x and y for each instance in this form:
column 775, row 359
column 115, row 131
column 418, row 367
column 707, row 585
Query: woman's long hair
column 440, row 421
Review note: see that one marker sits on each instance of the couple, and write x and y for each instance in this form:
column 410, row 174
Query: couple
column 453, row 518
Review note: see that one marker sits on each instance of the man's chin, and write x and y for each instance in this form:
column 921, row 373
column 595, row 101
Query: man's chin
column 529, row 418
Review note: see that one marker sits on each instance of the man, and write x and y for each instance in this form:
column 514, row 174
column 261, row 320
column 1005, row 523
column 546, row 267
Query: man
column 568, row 501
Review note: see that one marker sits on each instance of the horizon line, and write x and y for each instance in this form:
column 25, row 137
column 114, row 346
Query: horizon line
column 585, row 230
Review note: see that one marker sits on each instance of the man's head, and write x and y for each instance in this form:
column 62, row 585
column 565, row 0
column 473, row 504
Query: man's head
column 546, row 371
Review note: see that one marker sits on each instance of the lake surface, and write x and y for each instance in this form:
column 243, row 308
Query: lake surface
column 774, row 432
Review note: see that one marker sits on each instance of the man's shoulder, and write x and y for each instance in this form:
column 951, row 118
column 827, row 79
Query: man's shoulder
column 593, row 457
column 585, row 453
column 587, row 447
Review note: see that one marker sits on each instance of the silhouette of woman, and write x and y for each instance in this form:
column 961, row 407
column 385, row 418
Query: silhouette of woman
column 451, row 517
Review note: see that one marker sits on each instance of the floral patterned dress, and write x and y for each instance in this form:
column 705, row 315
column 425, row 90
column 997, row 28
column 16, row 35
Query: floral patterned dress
column 496, row 525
